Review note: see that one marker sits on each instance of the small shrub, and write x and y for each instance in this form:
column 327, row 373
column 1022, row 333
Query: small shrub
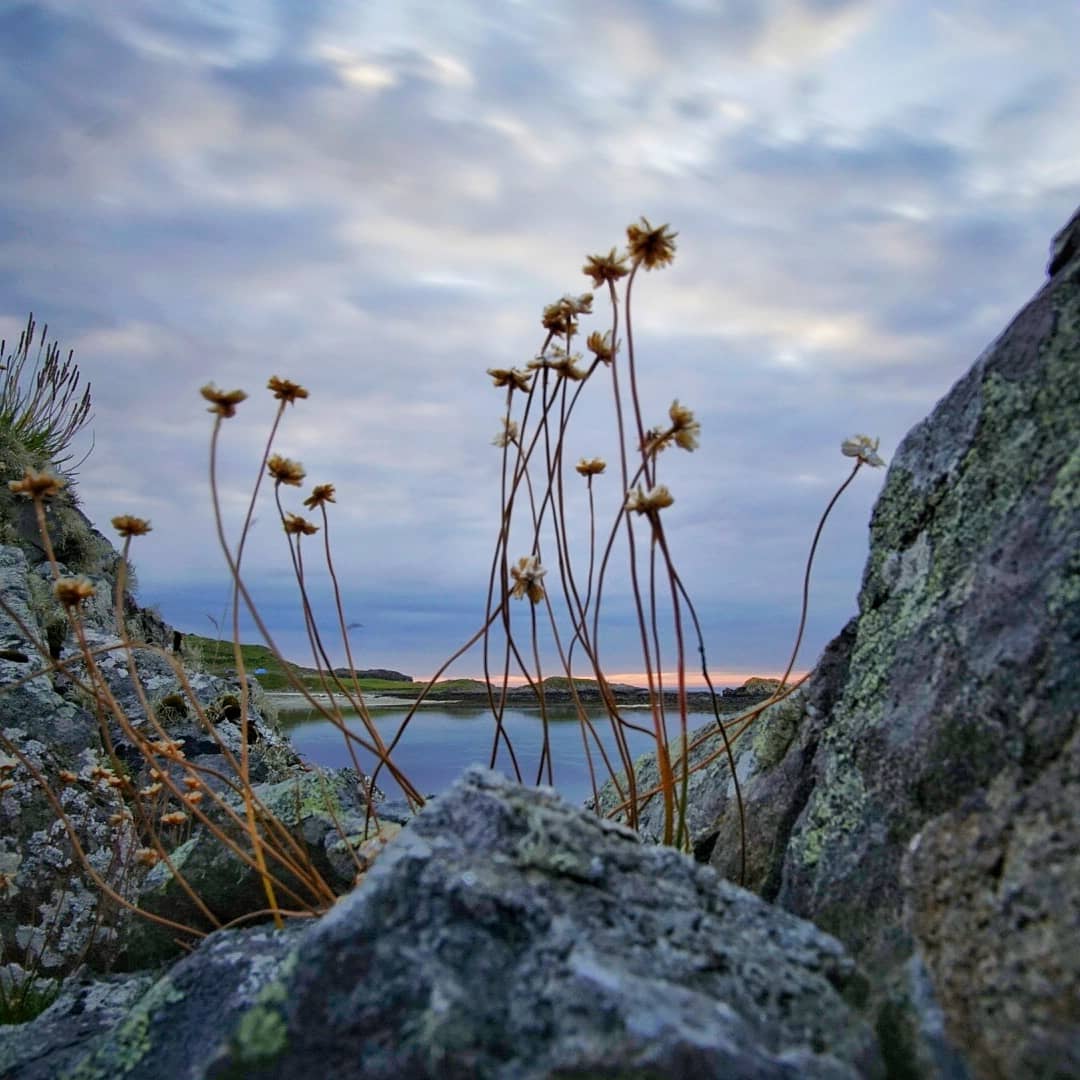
column 42, row 405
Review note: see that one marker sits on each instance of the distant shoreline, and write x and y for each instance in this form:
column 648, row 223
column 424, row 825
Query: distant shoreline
column 732, row 699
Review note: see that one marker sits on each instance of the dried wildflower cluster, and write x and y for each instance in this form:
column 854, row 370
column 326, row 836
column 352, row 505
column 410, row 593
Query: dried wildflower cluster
column 560, row 363
column 561, row 317
column 127, row 526
column 37, row 485
column 73, row 591
column 222, row 402
column 528, row 577
column 864, row 449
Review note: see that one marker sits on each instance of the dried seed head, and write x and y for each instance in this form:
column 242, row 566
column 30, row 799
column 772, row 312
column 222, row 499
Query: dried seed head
column 509, row 434
column 126, row 525
column 649, row 247
column 684, row 427
column 295, row 525
column 72, row 591
column 146, row 856
column 593, row 467
column 177, row 817
column 650, row 501
column 320, row 495
column 603, row 268
column 285, row 471
column 222, row 402
column 600, row 345
column 864, row 448
column 528, row 578
column 511, row 377
column 37, row 485
column 286, row 390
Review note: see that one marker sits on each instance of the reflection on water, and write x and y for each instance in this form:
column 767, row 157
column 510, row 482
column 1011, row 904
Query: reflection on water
column 440, row 742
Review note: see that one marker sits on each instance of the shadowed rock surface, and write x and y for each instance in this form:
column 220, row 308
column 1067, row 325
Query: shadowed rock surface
column 504, row 933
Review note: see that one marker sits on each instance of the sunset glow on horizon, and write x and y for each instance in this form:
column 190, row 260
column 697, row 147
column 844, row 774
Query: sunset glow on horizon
column 694, row 680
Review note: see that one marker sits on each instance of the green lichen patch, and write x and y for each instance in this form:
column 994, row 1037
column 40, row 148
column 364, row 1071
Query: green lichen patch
column 131, row 1042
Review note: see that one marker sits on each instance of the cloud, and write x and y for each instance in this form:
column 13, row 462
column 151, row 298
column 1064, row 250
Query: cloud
column 377, row 200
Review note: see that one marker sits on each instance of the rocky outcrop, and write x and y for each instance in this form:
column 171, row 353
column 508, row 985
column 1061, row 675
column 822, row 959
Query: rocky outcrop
column 961, row 703
column 333, row 840
column 919, row 796
column 52, row 916
column 503, row 933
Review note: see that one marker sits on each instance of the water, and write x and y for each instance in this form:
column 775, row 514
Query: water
column 440, row 742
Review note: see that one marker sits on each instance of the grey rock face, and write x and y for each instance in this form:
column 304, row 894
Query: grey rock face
column 311, row 807
column 963, row 689
column 85, row 1010
column 504, row 933
column 52, row 916
column 927, row 808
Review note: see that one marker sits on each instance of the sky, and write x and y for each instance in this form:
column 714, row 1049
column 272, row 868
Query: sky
column 378, row 199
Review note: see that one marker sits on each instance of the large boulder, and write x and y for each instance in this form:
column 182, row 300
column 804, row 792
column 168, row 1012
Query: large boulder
column 919, row 797
column 503, row 933
column 927, row 807
column 954, row 733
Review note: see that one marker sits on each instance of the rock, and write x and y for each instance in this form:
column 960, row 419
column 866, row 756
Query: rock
column 939, row 731
column 312, row 807
column 1065, row 246
column 963, row 687
column 86, row 1009
column 925, row 808
column 504, row 933
column 993, row 898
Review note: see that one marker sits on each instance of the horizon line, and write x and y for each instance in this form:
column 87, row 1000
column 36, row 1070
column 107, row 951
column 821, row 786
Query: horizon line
column 694, row 681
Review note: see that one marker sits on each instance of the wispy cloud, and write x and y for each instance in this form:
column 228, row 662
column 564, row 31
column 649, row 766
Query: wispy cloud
column 378, row 199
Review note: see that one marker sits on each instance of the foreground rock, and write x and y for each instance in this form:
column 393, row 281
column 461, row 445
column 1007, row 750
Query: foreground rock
column 503, row 933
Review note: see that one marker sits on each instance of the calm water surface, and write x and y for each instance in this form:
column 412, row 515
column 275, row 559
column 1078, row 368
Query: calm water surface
column 440, row 742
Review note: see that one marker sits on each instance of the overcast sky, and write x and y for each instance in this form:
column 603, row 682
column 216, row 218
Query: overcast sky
column 377, row 199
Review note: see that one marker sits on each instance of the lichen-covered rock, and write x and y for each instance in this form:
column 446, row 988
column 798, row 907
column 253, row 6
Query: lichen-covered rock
column 993, row 895
column 324, row 817
column 958, row 709
column 53, row 916
column 86, row 1009
column 504, row 933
